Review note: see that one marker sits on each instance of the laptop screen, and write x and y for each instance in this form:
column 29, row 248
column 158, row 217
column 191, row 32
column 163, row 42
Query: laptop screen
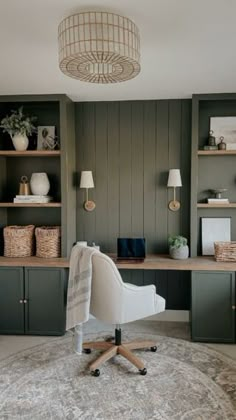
column 131, row 248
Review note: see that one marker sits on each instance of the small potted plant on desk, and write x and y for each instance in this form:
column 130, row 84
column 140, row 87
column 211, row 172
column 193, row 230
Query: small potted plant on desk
column 178, row 247
column 19, row 126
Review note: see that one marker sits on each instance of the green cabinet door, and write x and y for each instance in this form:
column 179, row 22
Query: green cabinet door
column 213, row 306
column 11, row 300
column 45, row 295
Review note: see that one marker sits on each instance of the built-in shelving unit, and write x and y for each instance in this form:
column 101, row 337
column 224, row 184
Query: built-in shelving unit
column 30, row 153
column 50, row 110
column 216, row 152
column 212, row 206
column 52, row 205
column 211, row 169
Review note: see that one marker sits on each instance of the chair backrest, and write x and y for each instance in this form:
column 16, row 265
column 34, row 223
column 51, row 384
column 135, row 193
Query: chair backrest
column 106, row 297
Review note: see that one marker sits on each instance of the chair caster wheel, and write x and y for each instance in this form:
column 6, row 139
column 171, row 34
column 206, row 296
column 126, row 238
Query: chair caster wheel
column 154, row 348
column 95, row 372
column 87, row 351
column 143, row 371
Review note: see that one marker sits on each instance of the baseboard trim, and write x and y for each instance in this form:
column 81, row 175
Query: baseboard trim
column 170, row 315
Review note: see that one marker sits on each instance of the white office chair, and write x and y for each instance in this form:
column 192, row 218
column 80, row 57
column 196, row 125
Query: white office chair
column 116, row 302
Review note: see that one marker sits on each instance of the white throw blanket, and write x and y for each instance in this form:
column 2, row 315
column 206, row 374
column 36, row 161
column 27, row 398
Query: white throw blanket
column 79, row 285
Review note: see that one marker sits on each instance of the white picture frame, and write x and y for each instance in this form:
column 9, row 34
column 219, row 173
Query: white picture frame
column 214, row 229
column 224, row 127
column 46, row 137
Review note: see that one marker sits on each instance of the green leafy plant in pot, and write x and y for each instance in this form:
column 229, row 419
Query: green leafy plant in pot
column 178, row 247
column 19, row 126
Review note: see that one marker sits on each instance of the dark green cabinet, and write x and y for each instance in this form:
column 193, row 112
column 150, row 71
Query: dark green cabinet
column 32, row 300
column 11, row 300
column 213, row 306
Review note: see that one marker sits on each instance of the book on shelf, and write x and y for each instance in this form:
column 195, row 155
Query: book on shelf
column 210, row 148
column 218, row 200
column 32, row 199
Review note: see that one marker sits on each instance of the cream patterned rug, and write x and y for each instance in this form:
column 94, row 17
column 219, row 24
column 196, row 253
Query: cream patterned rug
column 185, row 381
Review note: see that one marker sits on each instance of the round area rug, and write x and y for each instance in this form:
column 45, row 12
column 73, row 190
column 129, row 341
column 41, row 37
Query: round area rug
column 185, row 381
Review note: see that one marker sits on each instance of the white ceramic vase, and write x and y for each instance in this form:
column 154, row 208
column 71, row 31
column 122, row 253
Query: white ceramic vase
column 39, row 183
column 20, row 141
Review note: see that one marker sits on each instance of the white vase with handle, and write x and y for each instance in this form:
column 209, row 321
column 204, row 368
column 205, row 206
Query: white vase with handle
column 20, row 141
column 39, row 183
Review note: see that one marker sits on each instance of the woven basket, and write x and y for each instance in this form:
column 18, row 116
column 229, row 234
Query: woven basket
column 18, row 241
column 48, row 241
column 225, row 251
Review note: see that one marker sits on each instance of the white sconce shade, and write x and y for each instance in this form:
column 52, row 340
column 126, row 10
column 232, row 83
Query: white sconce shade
column 86, row 181
column 174, row 180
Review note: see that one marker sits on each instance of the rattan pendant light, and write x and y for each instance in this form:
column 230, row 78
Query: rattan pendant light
column 99, row 47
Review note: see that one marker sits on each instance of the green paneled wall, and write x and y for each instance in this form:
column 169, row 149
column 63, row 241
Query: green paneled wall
column 130, row 146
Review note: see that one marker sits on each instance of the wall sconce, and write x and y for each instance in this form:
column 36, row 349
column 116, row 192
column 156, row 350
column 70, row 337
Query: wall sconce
column 174, row 180
column 86, row 181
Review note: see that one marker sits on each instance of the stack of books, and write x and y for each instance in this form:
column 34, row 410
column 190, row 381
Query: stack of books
column 32, row 199
column 218, row 200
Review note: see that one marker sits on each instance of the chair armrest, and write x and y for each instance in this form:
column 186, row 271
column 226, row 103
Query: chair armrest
column 138, row 302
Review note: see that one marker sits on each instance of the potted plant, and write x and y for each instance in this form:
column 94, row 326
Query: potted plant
column 19, row 126
column 178, row 247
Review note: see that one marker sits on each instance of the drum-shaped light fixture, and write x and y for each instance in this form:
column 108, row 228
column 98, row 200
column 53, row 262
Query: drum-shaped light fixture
column 99, row 47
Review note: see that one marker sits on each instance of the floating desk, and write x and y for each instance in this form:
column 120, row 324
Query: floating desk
column 151, row 262
column 212, row 289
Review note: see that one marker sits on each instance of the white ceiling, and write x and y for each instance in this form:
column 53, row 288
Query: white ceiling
column 187, row 46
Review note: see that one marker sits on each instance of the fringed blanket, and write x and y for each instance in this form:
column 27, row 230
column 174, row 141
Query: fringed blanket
column 79, row 285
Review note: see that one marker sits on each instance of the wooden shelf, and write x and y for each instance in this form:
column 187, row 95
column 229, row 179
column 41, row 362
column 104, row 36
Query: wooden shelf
column 30, row 153
column 30, row 204
column 216, row 152
column 210, row 206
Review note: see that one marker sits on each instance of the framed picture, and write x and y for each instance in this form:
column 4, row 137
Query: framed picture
column 224, row 127
column 214, row 229
column 46, row 138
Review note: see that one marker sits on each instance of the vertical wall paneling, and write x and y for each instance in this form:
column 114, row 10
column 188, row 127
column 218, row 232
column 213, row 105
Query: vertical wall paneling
column 125, row 169
column 101, row 159
column 130, row 146
column 162, row 166
column 113, row 170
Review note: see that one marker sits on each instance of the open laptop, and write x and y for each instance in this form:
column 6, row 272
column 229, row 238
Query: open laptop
column 131, row 249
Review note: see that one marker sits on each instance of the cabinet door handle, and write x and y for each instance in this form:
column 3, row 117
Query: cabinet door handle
column 20, row 301
column 25, row 300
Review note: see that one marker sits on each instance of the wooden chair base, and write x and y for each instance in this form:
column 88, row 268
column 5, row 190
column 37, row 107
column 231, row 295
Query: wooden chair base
column 111, row 349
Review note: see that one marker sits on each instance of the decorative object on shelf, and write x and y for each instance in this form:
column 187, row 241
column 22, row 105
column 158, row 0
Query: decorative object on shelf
column 225, row 251
column 47, row 140
column 48, row 241
column 222, row 144
column 174, row 180
column 19, row 126
column 99, row 47
column 224, row 127
column 18, row 241
column 24, row 188
column 39, row 183
column 211, row 139
column 86, row 181
column 214, row 229
column 218, row 192
column 43, row 199
column 211, row 142
column 178, row 247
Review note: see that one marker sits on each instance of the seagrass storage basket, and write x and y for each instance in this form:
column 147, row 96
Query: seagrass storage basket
column 18, row 241
column 225, row 251
column 48, row 241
